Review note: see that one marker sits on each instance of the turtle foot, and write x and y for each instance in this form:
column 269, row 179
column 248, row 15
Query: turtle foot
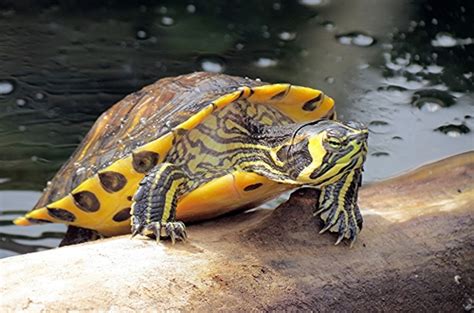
column 173, row 230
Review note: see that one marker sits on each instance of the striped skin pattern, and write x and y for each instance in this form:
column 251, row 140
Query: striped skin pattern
column 244, row 138
column 191, row 148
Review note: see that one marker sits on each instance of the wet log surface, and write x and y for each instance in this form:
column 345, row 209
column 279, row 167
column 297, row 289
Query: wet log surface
column 415, row 253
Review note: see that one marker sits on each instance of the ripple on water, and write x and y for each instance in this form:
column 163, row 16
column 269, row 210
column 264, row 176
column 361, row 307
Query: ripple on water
column 378, row 126
column 453, row 130
column 380, row 154
column 6, row 87
column 432, row 100
column 356, row 39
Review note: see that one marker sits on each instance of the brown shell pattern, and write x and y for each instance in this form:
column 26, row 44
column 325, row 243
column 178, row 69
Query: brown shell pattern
column 136, row 120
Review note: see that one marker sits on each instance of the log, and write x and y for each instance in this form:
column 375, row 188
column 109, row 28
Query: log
column 415, row 253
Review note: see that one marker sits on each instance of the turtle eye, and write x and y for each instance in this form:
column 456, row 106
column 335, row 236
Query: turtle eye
column 335, row 143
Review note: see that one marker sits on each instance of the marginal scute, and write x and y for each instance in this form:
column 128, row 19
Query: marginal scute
column 312, row 104
column 253, row 187
column 61, row 214
column 144, row 161
column 122, row 215
column 86, row 201
column 37, row 220
column 112, row 181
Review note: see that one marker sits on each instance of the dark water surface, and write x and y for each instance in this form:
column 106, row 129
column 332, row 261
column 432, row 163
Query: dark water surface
column 405, row 68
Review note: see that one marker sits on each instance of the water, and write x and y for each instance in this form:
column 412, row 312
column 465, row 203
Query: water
column 404, row 68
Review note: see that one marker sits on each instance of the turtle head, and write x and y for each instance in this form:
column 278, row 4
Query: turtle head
column 324, row 150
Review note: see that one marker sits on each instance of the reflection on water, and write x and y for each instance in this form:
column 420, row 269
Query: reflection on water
column 403, row 68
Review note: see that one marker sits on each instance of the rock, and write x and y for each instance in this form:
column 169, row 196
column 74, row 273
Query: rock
column 417, row 237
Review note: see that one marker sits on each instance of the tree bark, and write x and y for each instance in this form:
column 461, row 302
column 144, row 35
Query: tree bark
column 415, row 253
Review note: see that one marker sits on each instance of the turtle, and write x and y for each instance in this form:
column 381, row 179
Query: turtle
column 200, row 145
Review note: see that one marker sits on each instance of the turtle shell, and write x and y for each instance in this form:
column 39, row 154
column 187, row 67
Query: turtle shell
column 136, row 133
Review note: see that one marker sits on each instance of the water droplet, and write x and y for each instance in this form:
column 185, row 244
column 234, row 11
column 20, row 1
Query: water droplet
column 356, row 38
column 431, row 100
column 142, row 34
column 266, row 62
column 287, row 36
column 312, row 2
column 20, row 102
column 6, row 87
column 39, row 96
column 329, row 80
column 167, row 21
column 380, row 154
column 213, row 65
column 191, row 8
column 453, row 130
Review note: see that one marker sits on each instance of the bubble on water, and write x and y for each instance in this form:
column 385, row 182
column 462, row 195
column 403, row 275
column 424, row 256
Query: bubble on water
column 287, row 36
column 6, row 87
column 453, row 130
column 467, row 75
column 265, row 62
column 22, row 128
column 434, row 69
column 356, row 38
column 432, row 100
column 239, row 46
column 191, row 8
column 142, row 34
column 380, row 154
column 167, row 21
column 276, row 6
column 20, row 102
column 212, row 65
column 163, row 10
column 414, row 68
column 446, row 40
column 34, row 158
column 329, row 80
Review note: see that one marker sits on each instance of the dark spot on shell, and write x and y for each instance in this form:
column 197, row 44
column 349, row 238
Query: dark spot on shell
column 86, row 201
column 61, row 214
column 129, row 198
column 312, row 104
column 253, row 187
column 144, row 161
column 122, row 215
column 279, row 95
column 112, row 181
column 38, row 220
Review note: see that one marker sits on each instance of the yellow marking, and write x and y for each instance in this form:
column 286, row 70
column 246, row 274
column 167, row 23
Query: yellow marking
column 317, row 151
column 225, row 194
column 170, row 194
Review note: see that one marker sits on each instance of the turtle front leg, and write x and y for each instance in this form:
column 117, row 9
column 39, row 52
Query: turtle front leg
column 154, row 203
column 338, row 207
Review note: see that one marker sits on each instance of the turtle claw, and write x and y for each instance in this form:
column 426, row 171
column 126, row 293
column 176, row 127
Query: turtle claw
column 176, row 230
